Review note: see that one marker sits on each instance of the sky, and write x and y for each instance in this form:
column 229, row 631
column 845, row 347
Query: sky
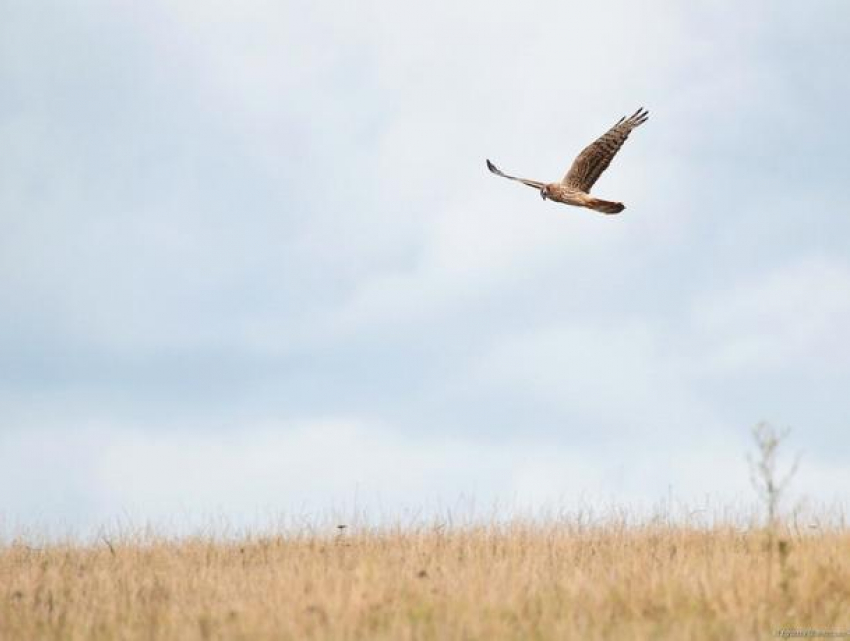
column 252, row 263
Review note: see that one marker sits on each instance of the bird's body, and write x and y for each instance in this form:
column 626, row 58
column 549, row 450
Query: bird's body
column 578, row 198
column 574, row 189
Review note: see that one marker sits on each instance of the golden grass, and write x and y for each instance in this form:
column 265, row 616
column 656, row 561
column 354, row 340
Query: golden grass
column 559, row 580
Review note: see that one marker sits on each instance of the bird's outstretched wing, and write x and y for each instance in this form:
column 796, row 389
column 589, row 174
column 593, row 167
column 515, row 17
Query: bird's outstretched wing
column 525, row 181
column 595, row 158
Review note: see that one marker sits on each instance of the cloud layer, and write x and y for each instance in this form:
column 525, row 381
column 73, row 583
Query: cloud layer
column 265, row 232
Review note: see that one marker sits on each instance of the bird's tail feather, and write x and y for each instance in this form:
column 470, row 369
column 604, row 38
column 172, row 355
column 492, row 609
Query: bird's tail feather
column 605, row 206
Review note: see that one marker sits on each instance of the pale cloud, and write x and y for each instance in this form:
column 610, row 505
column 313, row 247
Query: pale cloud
column 231, row 221
column 340, row 468
column 320, row 472
column 795, row 314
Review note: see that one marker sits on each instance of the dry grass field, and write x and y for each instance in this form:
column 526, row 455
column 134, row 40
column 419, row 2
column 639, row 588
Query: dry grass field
column 561, row 579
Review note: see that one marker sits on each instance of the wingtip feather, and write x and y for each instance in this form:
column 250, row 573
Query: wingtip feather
column 639, row 117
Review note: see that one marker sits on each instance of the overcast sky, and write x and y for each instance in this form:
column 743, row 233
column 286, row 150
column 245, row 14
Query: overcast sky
column 252, row 263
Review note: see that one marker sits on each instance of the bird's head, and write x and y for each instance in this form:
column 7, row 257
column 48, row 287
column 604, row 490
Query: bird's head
column 544, row 192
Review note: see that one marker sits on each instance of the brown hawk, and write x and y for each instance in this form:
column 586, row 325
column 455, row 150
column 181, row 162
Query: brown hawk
column 574, row 189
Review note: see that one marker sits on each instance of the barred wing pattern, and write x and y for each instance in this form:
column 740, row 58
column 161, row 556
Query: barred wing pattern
column 595, row 158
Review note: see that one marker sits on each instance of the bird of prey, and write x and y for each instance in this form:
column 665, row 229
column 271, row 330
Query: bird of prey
column 574, row 189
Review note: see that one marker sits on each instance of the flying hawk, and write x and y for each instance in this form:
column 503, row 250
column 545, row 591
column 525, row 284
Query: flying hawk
column 587, row 167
